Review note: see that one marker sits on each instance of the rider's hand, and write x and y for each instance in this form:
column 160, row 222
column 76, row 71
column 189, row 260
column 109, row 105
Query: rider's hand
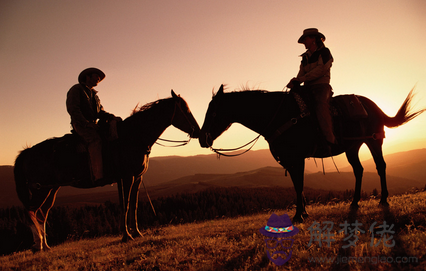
column 293, row 82
column 92, row 125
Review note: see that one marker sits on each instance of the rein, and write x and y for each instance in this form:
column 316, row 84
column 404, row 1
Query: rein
column 219, row 152
column 182, row 142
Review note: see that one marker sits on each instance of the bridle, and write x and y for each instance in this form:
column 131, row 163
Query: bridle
column 180, row 142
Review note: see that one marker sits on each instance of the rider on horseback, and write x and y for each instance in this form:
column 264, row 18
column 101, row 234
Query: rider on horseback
column 85, row 109
column 315, row 74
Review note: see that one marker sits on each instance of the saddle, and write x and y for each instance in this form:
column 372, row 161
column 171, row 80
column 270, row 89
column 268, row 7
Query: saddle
column 71, row 157
column 348, row 107
column 70, row 142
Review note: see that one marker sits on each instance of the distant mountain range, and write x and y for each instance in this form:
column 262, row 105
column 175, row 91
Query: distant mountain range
column 170, row 175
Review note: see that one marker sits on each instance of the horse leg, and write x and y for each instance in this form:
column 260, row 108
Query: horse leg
column 37, row 227
column 132, row 219
column 126, row 186
column 353, row 159
column 43, row 212
column 376, row 151
column 36, row 231
column 296, row 171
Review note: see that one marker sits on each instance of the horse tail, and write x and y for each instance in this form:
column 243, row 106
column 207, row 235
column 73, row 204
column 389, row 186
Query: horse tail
column 404, row 114
column 21, row 181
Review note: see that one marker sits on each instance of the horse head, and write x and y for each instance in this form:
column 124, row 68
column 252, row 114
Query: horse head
column 183, row 118
column 216, row 120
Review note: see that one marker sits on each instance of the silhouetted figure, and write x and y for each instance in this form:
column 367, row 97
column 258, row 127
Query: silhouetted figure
column 43, row 168
column 85, row 108
column 314, row 73
column 292, row 138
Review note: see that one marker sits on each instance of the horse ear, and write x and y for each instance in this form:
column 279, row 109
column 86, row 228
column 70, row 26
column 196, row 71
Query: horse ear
column 174, row 95
column 220, row 91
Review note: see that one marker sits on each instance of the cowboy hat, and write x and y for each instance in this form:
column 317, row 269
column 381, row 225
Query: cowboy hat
column 90, row 71
column 310, row 32
column 279, row 226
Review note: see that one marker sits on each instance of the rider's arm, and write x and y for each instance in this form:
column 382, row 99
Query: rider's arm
column 319, row 69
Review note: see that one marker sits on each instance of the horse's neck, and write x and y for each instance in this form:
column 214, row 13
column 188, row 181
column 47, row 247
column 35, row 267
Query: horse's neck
column 256, row 110
column 146, row 129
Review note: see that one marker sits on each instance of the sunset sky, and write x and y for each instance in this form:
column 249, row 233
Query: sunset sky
column 147, row 48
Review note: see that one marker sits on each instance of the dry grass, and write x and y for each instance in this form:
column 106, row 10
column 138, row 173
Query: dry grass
column 236, row 244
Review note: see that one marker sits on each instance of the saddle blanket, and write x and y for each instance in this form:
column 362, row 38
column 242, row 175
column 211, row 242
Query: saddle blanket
column 351, row 106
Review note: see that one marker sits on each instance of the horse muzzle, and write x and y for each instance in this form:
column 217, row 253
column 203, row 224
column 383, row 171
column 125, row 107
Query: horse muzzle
column 205, row 140
column 195, row 132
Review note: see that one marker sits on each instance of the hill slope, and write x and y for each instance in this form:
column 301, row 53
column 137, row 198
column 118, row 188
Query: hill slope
column 171, row 175
column 236, row 244
column 409, row 164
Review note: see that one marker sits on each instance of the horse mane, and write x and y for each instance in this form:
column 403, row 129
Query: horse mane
column 252, row 90
column 242, row 89
column 246, row 88
column 146, row 106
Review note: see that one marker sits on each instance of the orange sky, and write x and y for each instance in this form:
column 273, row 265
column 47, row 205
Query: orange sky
column 147, row 48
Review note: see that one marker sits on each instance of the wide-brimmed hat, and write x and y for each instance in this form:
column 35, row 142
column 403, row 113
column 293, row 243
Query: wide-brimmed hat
column 310, row 32
column 90, row 71
column 279, row 226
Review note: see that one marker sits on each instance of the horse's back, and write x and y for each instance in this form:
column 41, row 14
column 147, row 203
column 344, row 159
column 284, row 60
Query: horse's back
column 55, row 151
column 53, row 161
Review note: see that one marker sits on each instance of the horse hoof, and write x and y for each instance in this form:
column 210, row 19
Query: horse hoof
column 46, row 248
column 384, row 204
column 126, row 238
column 297, row 219
column 137, row 234
column 354, row 206
column 36, row 249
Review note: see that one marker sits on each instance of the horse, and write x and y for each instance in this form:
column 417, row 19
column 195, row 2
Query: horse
column 42, row 169
column 288, row 124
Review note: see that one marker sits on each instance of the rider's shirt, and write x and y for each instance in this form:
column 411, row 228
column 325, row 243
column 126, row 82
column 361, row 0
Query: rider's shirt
column 84, row 105
column 315, row 67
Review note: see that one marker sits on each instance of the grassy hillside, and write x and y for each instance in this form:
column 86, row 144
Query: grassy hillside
column 236, row 244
